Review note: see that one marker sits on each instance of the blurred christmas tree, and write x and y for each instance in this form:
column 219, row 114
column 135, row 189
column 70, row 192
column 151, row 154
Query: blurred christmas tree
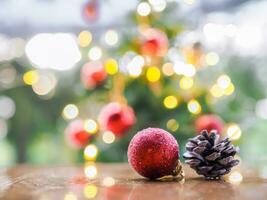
column 156, row 71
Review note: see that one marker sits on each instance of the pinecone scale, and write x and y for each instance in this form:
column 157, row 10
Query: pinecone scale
column 209, row 156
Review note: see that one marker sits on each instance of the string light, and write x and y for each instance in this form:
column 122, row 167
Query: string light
column 216, row 91
column 111, row 37
column 194, row 106
column 90, row 152
column 111, row 66
column 90, row 126
column 229, row 90
column 70, row 111
column 170, row 102
column 84, row 38
column 212, row 58
column 90, row 191
column 153, row 74
column 95, row 53
column 30, row 77
column 143, row 9
column 135, row 66
column 90, row 171
column 234, row 132
column 108, row 137
column 108, row 181
column 167, row 69
column 186, row 83
column 172, row 125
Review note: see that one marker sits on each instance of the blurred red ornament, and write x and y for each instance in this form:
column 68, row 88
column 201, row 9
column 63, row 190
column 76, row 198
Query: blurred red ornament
column 75, row 134
column 154, row 153
column 91, row 11
column 155, row 43
column 93, row 74
column 117, row 118
column 209, row 122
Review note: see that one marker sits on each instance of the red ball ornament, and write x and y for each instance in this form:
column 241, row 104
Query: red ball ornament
column 93, row 74
column 155, row 43
column 209, row 122
column 154, row 153
column 91, row 11
column 116, row 118
column 75, row 134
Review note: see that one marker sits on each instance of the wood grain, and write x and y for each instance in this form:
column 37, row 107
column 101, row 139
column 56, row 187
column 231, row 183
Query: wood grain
column 119, row 182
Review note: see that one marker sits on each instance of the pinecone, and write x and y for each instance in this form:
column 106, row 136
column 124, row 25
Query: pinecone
column 209, row 156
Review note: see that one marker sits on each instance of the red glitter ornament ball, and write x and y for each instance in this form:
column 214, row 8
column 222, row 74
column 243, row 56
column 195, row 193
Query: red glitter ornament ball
column 153, row 153
column 209, row 122
column 75, row 134
column 116, row 118
column 93, row 74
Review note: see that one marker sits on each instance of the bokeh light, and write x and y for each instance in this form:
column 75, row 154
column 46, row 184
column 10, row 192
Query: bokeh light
column 7, row 107
column 170, row 102
column 153, row 74
column 223, row 81
column 108, row 137
column 194, row 107
column 84, row 38
column 167, row 69
column 90, row 126
column 111, row 37
column 45, row 50
column 235, row 177
column 45, row 85
column 111, row 66
column 143, row 9
column 90, row 191
column 90, row 171
column 70, row 111
column 108, row 181
column 95, row 53
column 135, row 66
column 158, row 5
column 212, row 58
column 186, row 83
column 31, row 77
column 234, row 132
column 172, row 125
column 70, row 196
column 90, row 152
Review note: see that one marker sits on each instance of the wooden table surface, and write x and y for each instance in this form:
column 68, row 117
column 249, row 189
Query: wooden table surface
column 119, row 182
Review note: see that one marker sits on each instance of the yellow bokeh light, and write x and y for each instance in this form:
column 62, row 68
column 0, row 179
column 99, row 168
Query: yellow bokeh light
column 90, row 126
column 108, row 137
column 216, row 91
column 90, row 152
column 95, row 53
column 111, row 66
column 234, row 132
column 212, row 58
column 111, row 37
column 90, row 191
column 90, row 171
column 70, row 111
column 186, row 83
column 170, row 102
column 194, row 106
column 235, row 177
column 153, row 74
column 172, row 125
column 70, row 196
column 223, row 81
column 229, row 90
column 189, row 2
column 84, row 38
column 167, row 69
column 31, row 77
column 108, row 181
column 143, row 9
